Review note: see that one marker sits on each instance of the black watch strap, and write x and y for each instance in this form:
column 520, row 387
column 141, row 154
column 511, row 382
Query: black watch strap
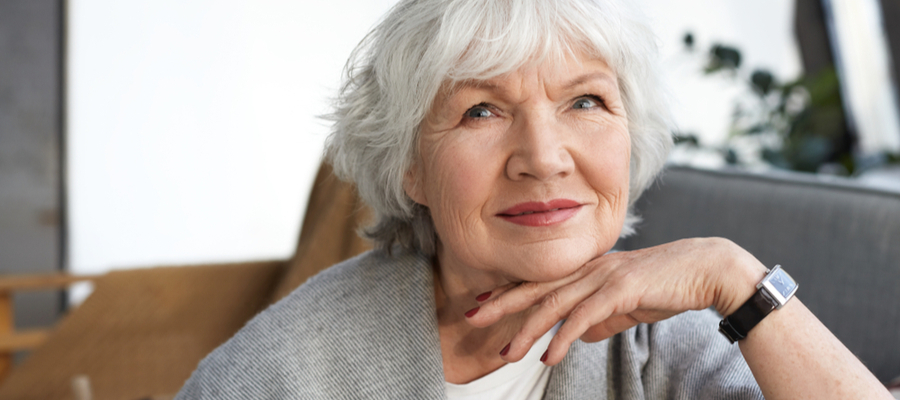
column 737, row 325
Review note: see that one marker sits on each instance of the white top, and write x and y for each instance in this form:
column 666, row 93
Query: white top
column 523, row 380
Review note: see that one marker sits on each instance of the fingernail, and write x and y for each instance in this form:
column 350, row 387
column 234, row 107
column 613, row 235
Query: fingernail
column 484, row 296
column 544, row 357
column 472, row 312
column 505, row 350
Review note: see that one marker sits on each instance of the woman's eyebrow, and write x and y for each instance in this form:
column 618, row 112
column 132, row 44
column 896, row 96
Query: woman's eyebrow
column 594, row 76
column 449, row 93
column 491, row 86
column 475, row 84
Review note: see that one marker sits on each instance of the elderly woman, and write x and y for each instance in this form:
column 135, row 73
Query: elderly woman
column 501, row 145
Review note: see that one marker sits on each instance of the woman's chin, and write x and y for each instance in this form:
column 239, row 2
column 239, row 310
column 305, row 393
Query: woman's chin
column 549, row 262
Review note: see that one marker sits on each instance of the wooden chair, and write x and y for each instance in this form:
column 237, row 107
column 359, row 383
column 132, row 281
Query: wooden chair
column 12, row 341
column 142, row 332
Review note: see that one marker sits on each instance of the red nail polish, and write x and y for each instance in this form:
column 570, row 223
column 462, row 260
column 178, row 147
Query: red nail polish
column 505, row 350
column 544, row 357
column 484, row 296
column 472, row 312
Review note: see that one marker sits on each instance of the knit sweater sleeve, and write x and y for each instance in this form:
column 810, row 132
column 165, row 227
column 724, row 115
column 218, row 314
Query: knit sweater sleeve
column 683, row 357
column 365, row 328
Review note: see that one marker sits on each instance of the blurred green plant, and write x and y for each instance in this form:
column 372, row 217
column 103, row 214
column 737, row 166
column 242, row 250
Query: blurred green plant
column 797, row 125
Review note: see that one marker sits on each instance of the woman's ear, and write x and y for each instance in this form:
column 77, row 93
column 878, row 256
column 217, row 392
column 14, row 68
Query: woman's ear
column 412, row 185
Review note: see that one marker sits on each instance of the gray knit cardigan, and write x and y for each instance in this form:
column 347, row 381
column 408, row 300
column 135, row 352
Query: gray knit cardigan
column 366, row 329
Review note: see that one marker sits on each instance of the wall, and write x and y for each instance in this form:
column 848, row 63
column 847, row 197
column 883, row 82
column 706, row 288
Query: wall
column 192, row 125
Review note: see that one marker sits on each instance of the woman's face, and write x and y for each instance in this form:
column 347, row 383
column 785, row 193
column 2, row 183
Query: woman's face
column 526, row 175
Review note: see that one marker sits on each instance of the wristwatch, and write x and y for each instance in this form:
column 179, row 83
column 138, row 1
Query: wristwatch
column 772, row 293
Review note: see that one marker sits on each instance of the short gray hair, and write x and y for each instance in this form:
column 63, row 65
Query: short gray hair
column 395, row 73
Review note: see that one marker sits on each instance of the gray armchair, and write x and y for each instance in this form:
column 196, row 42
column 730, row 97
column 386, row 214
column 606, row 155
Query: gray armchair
column 840, row 241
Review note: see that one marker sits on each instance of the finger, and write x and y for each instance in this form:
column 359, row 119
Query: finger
column 509, row 301
column 596, row 309
column 487, row 296
column 608, row 328
column 522, row 297
column 495, row 292
column 554, row 307
column 513, row 300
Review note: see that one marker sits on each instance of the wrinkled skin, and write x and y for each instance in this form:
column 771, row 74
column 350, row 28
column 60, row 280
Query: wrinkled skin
column 560, row 131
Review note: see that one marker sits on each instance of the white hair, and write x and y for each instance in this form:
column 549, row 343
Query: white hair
column 395, row 73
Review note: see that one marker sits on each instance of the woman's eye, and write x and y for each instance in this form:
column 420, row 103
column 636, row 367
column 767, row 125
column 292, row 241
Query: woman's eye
column 478, row 112
column 586, row 102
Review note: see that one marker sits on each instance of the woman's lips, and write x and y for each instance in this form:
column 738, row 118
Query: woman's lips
column 541, row 214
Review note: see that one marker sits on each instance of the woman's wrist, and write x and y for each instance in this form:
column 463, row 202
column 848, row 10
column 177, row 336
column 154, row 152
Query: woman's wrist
column 738, row 276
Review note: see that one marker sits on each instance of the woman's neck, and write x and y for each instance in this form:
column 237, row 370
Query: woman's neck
column 468, row 352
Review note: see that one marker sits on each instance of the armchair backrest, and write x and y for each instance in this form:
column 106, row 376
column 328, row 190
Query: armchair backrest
column 840, row 241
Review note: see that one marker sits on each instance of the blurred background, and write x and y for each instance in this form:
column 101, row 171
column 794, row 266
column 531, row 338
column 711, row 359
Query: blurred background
column 146, row 133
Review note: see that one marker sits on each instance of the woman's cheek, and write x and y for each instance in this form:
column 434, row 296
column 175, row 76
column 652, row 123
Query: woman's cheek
column 457, row 183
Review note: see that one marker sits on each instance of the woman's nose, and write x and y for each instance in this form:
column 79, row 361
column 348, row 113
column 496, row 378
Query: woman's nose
column 539, row 151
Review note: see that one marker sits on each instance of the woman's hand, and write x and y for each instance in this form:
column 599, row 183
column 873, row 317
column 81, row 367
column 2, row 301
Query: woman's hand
column 617, row 291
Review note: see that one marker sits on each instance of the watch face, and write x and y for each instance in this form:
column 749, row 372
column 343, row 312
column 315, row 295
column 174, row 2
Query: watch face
column 782, row 282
